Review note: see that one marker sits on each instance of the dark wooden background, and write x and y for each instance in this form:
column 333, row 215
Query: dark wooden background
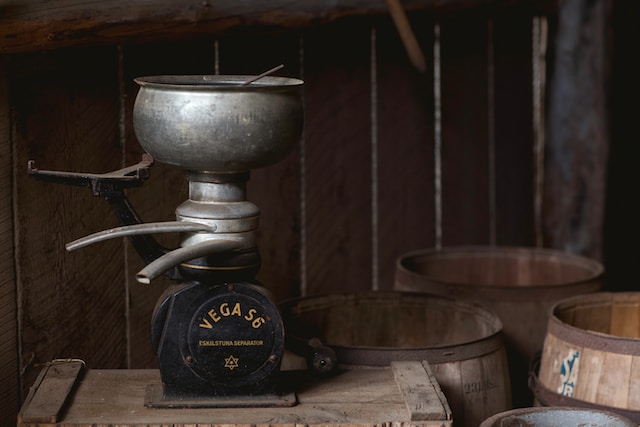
column 359, row 191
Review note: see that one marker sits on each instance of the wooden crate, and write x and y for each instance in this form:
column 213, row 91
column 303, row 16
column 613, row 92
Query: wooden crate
column 405, row 393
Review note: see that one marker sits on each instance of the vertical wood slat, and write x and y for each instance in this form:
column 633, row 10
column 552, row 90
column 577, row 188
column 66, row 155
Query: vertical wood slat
column 514, row 161
column 405, row 148
column 338, row 158
column 465, row 201
column 9, row 391
column 539, row 88
column 625, row 92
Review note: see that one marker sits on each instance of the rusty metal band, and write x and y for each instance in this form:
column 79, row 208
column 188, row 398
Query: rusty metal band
column 383, row 356
column 546, row 397
column 593, row 340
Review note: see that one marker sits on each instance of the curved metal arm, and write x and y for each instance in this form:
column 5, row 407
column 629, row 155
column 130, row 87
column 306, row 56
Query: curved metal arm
column 138, row 229
column 111, row 186
column 186, row 253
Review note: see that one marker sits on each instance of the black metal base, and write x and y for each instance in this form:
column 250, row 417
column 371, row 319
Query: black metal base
column 155, row 398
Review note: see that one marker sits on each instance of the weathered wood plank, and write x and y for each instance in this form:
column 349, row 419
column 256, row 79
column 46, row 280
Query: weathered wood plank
column 464, row 153
column 9, row 390
column 360, row 397
column 513, row 133
column 51, row 392
column 404, row 147
column 621, row 215
column 338, row 158
column 421, row 392
column 41, row 24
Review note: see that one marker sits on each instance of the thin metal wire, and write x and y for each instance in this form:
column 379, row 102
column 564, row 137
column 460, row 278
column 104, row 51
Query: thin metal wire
column 216, row 57
column 437, row 150
column 374, row 163
column 491, row 134
column 539, row 52
column 122, row 130
column 303, row 192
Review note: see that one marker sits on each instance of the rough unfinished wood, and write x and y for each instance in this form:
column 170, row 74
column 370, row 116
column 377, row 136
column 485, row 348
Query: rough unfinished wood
column 465, row 145
column 51, row 392
column 41, row 24
column 338, row 159
column 584, row 357
column 405, row 165
column 513, row 174
column 9, row 390
column 421, row 392
column 366, row 397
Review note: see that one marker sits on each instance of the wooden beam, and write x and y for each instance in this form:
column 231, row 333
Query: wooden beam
column 28, row 25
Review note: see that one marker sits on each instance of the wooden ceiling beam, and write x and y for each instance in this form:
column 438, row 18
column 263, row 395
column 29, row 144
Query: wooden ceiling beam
column 32, row 25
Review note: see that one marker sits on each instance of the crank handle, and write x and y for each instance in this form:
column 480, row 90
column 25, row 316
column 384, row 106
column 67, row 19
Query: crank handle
column 321, row 360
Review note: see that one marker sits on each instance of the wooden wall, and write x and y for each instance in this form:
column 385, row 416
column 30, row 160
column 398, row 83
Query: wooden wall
column 373, row 177
column 9, row 347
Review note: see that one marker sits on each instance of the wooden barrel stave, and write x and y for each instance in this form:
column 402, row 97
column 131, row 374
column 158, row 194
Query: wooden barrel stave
column 519, row 284
column 461, row 341
column 592, row 351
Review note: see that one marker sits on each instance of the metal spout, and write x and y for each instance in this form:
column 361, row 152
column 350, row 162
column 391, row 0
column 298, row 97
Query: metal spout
column 138, row 229
column 185, row 253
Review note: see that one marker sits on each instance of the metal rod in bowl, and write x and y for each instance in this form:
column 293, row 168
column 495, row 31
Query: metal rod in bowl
column 259, row 76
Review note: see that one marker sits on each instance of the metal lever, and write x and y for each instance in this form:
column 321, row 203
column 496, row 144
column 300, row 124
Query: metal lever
column 111, row 187
column 102, row 184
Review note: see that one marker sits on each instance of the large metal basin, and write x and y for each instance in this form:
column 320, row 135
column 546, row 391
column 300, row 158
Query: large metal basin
column 214, row 123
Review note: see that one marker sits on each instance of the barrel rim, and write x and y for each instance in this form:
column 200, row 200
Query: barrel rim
column 599, row 341
column 382, row 356
column 547, row 397
column 597, row 269
column 560, row 409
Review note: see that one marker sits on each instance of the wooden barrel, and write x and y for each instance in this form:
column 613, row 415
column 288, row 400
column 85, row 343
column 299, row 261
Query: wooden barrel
column 557, row 416
column 461, row 341
column 519, row 284
column 591, row 353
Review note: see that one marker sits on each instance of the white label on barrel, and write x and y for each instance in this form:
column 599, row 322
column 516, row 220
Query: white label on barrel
column 569, row 373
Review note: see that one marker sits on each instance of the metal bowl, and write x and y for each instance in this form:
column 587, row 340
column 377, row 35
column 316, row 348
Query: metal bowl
column 215, row 123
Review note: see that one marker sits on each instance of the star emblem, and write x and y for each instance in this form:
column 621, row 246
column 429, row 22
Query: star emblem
column 231, row 362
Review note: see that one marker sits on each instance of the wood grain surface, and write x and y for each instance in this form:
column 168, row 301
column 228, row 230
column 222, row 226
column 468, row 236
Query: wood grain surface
column 351, row 398
column 28, row 25
column 9, row 363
